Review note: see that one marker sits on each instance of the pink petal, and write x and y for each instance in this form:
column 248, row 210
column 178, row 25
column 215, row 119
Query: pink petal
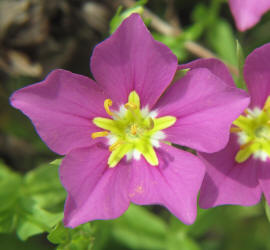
column 264, row 177
column 132, row 60
column 257, row 75
column 95, row 191
column 216, row 67
column 205, row 108
column 248, row 12
column 174, row 183
column 61, row 108
column 226, row 181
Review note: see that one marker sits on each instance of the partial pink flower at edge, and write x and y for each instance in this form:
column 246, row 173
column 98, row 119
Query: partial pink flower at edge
column 230, row 182
column 132, row 71
column 248, row 13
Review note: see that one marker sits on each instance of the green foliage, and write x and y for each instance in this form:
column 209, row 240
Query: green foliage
column 72, row 239
column 25, row 200
column 175, row 43
column 140, row 229
column 43, row 185
column 120, row 16
column 240, row 82
column 11, row 242
column 222, row 40
column 267, row 210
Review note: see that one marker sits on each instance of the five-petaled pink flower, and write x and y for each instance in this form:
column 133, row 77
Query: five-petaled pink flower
column 247, row 13
column 117, row 132
column 240, row 173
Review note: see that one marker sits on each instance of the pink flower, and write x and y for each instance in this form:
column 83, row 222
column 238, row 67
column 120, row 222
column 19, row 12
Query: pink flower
column 117, row 134
column 240, row 173
column 248, row 12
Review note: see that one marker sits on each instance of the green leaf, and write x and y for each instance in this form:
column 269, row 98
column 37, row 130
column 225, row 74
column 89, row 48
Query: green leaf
column 34, row 220
column 177, row 236
column 10, row 184
column 176, row 44
column 11, row 242
column 140, row 229
column 78, row 238
column 102, row 233
column 180, row 241
column 24, row 199
column 267, row 210
column 205, row 220
column 116, row 20
column 221, row 38
column 44, row 187
column 240, row 82
column 59, row 234
column 120, row 16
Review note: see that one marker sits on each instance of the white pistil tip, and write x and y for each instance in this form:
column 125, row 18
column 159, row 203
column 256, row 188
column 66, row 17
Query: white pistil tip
column 159, row 135
column 111, row 139
column 145, row 112
column 242, row 138
column 136, row 154
column 253, row 113
column 261, row 155
column 133, row 154
column 129, row 155
column 153, row 114
column 121, row 113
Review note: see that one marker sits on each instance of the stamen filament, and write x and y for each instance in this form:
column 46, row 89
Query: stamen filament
column 107, row 104
column 130, row 106
column 99, row 134
column 246, row 145
column 235, row 129
column 151, row 123
column 115, row 145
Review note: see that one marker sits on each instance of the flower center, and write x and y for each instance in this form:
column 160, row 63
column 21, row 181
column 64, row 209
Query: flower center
column 132, row 131
column 253, row 130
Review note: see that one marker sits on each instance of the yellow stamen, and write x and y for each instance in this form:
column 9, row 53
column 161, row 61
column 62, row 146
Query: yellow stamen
column 235, row 129
column 107, row 104
column 115, row 145
column 246, row 145
column 133, row 129
column 268, row 122
column 130, row 106
column 267, row 104
column 151, row 123
column 99, row 134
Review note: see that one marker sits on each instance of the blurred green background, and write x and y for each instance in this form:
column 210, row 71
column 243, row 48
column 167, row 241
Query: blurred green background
column 37, row 36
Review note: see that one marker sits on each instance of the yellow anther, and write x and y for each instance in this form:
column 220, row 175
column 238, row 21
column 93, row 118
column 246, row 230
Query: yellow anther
column 267, row 104
column 235, row 129
column 99, row 134
column 133, row 129
column 151, row 123
column 246, row 145
column 115, row 145
column 130, row 106
column 107, row 104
